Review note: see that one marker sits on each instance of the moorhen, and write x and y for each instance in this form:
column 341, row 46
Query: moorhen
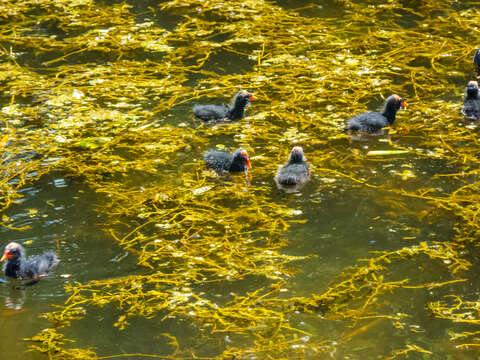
column 296, row 171
column 33, row 267
column 471, row 103
column 234, row 111
column 222, row 161
column 374, row 121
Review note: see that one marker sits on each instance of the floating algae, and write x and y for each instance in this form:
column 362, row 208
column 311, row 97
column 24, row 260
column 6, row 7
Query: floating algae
column 93, row 102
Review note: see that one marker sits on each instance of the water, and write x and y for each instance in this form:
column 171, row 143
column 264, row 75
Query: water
column 344, row 220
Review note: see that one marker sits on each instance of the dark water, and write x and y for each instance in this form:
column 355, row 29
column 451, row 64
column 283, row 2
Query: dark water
column 344, row 223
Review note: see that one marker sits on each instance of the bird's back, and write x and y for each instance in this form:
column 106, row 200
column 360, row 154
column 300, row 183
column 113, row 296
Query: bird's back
column 40, row 264
column 218, row 160
column 210, row 112
column 368, row 121
column 293, row 174
column 471, row 109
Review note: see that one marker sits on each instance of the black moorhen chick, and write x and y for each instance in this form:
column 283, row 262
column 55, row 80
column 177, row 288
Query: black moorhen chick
column 471, row 103
column 374, row 121
column 34, row 267
column 222, row 161
column 234, row 111
column 296, row 171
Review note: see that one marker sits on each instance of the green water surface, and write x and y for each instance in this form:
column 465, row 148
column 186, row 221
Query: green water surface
column 356, row 55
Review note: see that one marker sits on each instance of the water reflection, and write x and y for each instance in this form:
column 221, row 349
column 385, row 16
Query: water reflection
column 16, row 295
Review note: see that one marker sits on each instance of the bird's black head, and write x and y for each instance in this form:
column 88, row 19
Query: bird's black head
column 241, row 156
column 394, row 102
column 243, row 98
column 13, row 251
column 472, row 90
column 297, row 155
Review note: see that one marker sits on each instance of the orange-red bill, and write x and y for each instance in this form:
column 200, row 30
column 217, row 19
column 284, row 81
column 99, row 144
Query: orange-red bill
column 404, row 104
column 252, row 97
column 248, row 163
column 4, row 257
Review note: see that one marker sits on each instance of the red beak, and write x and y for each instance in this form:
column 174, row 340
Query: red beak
column 6, row 256
column 404, row 104
column 248, row 163
column 252, row 97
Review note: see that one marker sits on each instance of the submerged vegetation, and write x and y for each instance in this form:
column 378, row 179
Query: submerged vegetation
column 102, row 92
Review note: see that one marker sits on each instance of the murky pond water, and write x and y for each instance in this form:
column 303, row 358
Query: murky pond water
column 375, row 257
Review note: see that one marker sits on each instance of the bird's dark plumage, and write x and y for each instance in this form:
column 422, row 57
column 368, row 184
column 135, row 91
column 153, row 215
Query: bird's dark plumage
column 296, row 171
column 471, row 103
column 476, row 58
column 374, row 121
column 33, row 267
column 234, row 111
column 222, row 161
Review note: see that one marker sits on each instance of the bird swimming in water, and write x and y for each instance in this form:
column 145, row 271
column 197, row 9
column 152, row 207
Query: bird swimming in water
column 231, row 112
column 34, row 267
column 373, row 121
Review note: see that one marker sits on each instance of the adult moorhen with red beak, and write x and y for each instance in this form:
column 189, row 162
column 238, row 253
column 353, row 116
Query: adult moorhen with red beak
column 222, row 161
column 471, row 103
column 296, row 171
column 33, row 267
column 234, row 111
column 374, row 121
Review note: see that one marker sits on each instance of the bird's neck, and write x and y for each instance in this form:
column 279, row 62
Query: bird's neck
column 296, row 158
column 390, row 113
column 237, row 166
column 472, row 93
column 236, row 111
column 13, row 268
column 296, row 161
